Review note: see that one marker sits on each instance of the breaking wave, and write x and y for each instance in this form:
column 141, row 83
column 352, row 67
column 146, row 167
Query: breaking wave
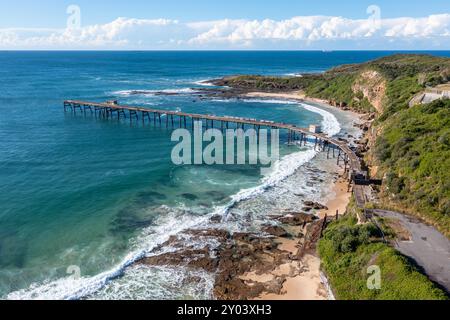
column 128, row 93
column 172, row 223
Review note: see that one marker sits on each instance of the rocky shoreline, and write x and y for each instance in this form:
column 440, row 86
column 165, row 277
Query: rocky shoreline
column 224, row 88
column 279, row 261
column 246, row 265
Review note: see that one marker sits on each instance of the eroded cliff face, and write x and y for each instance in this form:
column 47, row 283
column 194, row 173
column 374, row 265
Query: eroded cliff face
column 372, row 85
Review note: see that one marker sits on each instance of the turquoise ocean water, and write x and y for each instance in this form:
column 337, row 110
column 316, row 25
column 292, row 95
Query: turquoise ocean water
column 97, row 194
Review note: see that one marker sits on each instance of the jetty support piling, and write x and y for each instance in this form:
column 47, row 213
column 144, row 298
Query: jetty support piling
column 345, row 154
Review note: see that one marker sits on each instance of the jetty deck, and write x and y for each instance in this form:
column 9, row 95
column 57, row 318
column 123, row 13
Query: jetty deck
column 295, row 134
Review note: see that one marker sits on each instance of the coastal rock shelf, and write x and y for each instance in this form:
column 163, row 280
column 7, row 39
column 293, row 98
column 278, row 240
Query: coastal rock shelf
column 246, row 265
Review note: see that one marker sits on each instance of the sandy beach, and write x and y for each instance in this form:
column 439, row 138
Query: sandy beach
column 340, row 195
column 306, row 285
column 293, row 95
column 339, row 200
column 285, row 266
column 303, row 279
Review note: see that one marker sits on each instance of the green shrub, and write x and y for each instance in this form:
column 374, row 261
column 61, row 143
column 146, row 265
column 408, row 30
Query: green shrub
column 413, row 147
column 348, row 249
column 348, row 238
column 414, row 151
column 382, row 149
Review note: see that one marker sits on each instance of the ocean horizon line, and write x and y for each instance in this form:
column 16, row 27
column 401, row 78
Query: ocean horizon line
column 225, row 50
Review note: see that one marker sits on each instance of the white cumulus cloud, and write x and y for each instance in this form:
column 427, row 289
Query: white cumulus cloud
column 295, row 33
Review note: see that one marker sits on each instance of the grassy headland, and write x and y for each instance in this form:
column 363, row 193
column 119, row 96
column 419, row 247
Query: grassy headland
column 414, row 152
column 409, row 147
column 347, row 250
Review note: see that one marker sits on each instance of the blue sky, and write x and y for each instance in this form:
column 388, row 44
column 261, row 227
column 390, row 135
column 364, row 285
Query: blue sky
column 239, row 24
column 51, row 13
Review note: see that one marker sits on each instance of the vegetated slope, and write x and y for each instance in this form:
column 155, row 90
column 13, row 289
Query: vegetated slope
column 411, row 144
column 385, row 84
column 414, row 152
column 350, row 253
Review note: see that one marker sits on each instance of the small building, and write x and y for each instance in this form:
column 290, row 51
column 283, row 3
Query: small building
column 315, row 128
column 360, row 177
column 114, row 102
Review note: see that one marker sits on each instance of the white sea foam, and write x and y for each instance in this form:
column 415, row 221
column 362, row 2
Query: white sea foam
column 271, row 101
column 171, row 224
column 252, row 100
column 205, row 83
column 127, row 93
column 297, row 75
column 168, row 225
column 158, row 283
column 330, row 125
column 288, row 164
column 281, row 170
column 72, row 289
column 143, row 102
column 223, row 100
column 182, row 90
column 256, row 100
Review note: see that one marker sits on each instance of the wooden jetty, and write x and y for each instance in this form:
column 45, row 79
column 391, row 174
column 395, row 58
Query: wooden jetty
column 339, row 149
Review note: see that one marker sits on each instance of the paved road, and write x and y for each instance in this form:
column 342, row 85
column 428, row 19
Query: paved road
column 428, row 247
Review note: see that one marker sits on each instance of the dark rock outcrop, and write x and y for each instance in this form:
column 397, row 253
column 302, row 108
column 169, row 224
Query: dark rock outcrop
column 276, row 231
column 296, row 219
column 315, row 205
column 312, row 236
column 199, row 259
column 232, row 257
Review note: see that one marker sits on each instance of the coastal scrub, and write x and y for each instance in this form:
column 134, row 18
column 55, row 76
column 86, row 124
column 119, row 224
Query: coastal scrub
column 409, row 145
column 349, row 249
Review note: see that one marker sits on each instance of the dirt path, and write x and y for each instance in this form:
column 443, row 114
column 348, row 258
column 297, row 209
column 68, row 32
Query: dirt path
column 427, row 246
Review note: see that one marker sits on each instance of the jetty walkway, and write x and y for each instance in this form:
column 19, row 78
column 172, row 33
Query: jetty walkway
column 338, row 149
